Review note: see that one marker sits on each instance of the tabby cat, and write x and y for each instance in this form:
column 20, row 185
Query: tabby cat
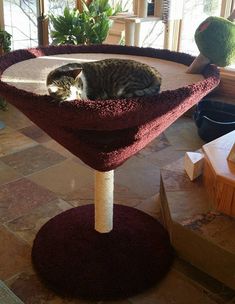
column 104, row 79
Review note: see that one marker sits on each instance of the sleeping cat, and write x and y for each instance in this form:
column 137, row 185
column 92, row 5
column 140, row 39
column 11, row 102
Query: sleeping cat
column 104, row 79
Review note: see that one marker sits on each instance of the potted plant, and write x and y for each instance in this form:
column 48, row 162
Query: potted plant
column 90, row 26
column 5, row 46
column 5, row 41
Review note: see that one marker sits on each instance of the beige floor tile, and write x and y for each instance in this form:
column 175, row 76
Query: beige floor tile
column 28, row 225
column 7, row 174
column 12, row 141
column 20, row 197
column 83, row 195
column 33, row 159
column 140, row 176
column 165, row 157
column 174, row 289
column 53, row 145
column 78, row 198
column 35, row 133
column 14, row 254
column 124, row 196
column 150, row 206
column 66, row 178
column 158, row 144
column 27, row 286
column 14, row 118
column 183, row 135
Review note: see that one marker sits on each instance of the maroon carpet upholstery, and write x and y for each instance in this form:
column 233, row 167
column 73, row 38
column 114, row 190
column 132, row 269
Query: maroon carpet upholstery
column 75, row 260
column 106, row 133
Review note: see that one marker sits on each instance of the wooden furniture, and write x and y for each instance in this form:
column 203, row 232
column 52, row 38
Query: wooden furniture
column 199, row 234
column 219, row 173
column 231, row 156
column 43, row 34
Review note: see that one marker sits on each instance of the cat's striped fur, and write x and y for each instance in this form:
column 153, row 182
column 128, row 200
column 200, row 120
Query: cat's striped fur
column 104, row 79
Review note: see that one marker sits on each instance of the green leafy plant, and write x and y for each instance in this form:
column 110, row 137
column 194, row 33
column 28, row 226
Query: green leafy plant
column 5, row 45
column 88, row 27
column 68, row 28
column 5, row 41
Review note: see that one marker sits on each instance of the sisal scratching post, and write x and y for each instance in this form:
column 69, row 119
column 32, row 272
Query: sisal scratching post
column 104, row 201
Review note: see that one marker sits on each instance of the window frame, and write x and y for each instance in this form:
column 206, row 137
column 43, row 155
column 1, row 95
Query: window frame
column 227, row 86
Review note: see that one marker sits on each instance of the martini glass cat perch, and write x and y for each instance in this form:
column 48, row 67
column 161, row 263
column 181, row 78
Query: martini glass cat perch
column 129, row 251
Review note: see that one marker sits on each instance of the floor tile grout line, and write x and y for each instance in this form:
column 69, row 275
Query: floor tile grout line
column 17, row 236
column 30, row 211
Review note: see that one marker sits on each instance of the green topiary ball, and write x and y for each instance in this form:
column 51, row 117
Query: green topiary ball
column 215, row 38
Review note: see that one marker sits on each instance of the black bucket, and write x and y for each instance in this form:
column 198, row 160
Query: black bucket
column 214, row 119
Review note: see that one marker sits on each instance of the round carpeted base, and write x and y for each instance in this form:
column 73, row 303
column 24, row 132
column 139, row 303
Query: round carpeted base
column 75, row 260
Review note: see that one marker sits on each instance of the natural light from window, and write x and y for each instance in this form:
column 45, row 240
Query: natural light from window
column 195, row 11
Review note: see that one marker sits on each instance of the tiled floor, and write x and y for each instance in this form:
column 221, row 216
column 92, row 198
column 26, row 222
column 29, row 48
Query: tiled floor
column 39, row 179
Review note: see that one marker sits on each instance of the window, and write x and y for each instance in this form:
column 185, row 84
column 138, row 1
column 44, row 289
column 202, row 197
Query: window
column 155, row 35
column 56, row 7
column 20, row 19
column 21, row 22
column 127, row 5
column 194, row 12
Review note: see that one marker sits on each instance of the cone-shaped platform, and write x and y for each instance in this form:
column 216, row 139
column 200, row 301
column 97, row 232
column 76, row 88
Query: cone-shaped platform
column 103, row 133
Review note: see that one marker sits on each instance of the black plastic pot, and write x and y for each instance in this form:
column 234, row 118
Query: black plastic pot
column 214, row 119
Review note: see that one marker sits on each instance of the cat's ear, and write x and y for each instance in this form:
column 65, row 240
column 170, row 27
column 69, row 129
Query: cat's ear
column 72, row 73
column 76, row 72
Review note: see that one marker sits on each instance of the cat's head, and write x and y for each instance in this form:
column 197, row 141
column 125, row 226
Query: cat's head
column 67, row 88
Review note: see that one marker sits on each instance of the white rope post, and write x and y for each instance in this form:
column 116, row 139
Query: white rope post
column 143, row 8
column 137, row 34
column 129, row 33
column 104, row 185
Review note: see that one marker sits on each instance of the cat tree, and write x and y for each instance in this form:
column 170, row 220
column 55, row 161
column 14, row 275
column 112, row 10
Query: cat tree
column 131, row 251
column 133, row 21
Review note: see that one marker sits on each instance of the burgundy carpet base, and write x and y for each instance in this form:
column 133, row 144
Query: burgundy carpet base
column 74, row 260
